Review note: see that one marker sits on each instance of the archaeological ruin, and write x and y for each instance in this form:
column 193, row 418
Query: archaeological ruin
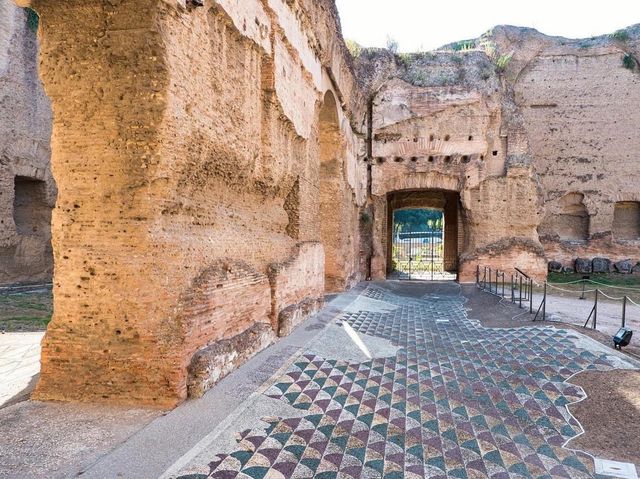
column 193, row 177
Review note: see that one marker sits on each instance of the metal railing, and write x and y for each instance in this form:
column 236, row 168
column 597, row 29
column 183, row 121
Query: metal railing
column 517, row 286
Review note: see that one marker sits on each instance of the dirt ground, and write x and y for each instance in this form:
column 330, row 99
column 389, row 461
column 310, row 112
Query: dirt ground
column 611, row 413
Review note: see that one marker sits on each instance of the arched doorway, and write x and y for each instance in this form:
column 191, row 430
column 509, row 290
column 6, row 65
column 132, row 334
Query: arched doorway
column 423, row 235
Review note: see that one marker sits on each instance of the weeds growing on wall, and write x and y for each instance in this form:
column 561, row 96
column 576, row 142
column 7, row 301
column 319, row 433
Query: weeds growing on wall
column 464, row 45
column 392, row 45
column 620, row 35
column 33, row 19
column 629, row 62
column 354, row 48
column 503, row 61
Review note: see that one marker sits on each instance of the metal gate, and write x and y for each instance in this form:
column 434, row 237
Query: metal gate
column 419, row 255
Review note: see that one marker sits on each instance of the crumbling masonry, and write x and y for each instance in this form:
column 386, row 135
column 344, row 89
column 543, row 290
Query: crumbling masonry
column 220, row 168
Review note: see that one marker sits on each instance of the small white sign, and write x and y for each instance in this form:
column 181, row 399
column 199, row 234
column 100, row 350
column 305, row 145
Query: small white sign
column 621, row 470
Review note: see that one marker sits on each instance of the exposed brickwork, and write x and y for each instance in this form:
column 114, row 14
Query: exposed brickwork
column 186, row 148
column 217, row 174
column 27, row 189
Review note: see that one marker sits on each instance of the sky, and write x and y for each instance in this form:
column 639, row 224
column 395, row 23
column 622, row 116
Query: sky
column 419, row 25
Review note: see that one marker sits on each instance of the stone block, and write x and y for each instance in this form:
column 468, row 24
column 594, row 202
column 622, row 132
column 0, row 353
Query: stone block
column 601, row 265
column 583, row 266
column 624, row 266
column 214, row 362
column 555, row 267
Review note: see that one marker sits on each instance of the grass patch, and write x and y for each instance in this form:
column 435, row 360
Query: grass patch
column 610, row 279
column 502, row 62
column 24, row 323
column 354, row 48
column 25, row 311
column 464, row 45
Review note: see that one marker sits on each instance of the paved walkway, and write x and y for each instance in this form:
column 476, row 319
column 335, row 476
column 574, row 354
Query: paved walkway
column 19, row 363
column 455, row 400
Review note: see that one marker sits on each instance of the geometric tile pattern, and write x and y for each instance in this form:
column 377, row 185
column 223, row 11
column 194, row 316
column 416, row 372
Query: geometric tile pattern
column 457, row 401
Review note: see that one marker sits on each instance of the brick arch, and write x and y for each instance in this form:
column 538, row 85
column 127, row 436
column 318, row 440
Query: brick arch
column 432, row 180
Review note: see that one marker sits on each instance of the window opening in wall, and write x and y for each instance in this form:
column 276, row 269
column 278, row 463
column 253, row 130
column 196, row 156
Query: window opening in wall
column 626, row 221
column 31, row 213
column 418, row 244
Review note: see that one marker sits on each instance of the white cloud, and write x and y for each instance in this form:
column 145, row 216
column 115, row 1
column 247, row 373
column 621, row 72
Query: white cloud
column 425, row 25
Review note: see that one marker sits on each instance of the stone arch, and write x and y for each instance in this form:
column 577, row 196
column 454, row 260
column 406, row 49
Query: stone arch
column 626, row 220
column 332, row 190
column 567, row 218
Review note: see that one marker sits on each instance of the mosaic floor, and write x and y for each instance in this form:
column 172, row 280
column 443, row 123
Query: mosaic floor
column 457, row 401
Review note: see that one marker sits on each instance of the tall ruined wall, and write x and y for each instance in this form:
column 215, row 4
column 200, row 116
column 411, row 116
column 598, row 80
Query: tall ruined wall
column 579, row 102
column 443, row 121
column 27, row 189
column 536, row 134
column 186, row 146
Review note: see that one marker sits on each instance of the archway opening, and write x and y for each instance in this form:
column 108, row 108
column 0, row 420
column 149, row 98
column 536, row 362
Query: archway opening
column 423, row 235
column 331, row 192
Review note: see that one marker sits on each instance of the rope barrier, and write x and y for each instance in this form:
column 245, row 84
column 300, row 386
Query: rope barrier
column 610, row 297
column 599, row 284
column 570, row 291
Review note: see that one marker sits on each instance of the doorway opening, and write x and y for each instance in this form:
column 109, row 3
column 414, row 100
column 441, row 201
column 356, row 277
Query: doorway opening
column 423, row 235
column 418, row 244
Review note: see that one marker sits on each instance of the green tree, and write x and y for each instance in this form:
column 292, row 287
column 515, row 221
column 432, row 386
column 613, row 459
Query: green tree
column 419, row 219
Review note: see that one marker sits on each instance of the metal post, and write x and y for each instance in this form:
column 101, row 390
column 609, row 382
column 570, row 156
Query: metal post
column 477, row 275
column 503, row 284
column 530, row 296
column 497, row 273
column 624, row 311
column 595, row 311
column 513, row 290
column 520, row 291
column 544, row 304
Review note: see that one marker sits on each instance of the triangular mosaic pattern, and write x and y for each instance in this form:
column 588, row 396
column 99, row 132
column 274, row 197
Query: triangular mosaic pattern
column 457, row 401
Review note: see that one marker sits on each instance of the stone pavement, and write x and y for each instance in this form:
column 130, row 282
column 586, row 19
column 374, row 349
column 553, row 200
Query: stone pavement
column 19, row 363
column 454, row 400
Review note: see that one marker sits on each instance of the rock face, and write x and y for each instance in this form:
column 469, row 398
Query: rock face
column 215, row 166
column 27, row 189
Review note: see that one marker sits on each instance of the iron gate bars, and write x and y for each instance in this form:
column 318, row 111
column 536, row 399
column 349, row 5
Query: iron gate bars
column 419, row 254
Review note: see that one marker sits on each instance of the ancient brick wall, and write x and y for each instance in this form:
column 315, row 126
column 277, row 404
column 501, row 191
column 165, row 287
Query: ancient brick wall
column 27, row 189
column 220, row 168
column 186, row 148
column 579, row 105
column 441, row 124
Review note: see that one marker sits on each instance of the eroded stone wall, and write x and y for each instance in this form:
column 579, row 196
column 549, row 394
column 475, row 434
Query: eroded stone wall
column 441, row 123
column 27, row 189
column 186, row 146
column 579, row 103
column 221, row 167
column 536, row 134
